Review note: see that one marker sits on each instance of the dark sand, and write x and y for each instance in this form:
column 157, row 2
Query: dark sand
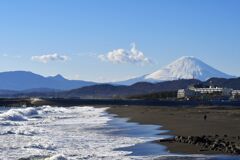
column 183, row 121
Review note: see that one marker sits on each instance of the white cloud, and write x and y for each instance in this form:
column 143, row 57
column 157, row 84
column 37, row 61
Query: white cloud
column 50, row 57
column 123, row 56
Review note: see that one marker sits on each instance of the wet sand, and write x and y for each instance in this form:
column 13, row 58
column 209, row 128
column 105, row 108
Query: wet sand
column 185, row 121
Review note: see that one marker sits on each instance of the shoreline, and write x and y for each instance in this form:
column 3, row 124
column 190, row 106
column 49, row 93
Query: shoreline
column 221, row 124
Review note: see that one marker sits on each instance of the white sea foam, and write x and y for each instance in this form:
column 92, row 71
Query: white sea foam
column 18, row 114
column 57, row 157
column 27, row 131
column 61, row 133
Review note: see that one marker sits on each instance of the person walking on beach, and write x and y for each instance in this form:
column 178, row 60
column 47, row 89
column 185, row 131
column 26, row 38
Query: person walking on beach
column 205, row 117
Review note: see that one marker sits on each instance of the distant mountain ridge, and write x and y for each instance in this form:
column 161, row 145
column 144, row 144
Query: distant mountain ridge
column 111, row 91
column 183, row 68
column 140, row 88
column 233, row 83
column 121, row 91
column 22, row 80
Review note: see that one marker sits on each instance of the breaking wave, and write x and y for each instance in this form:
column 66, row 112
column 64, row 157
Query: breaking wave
column 18, row 114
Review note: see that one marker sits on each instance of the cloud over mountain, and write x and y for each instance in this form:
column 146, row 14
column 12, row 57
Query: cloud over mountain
column 118, row 56
column 49, row 57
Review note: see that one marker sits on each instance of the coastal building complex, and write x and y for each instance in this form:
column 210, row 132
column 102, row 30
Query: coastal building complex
column 216, row 92
column 235, row 94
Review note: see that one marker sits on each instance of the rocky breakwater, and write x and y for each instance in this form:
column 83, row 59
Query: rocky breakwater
column 224, row 144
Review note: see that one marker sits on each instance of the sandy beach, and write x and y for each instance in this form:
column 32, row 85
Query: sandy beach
column 221, row 123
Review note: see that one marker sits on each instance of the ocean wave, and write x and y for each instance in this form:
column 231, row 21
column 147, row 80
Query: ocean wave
column 46, row 109
column 57, row 157
column 27, row 131
column 18, row 114
column 41, row 146
column 61, row 133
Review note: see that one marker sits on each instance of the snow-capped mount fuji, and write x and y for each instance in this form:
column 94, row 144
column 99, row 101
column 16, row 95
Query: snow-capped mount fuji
column 183, row 68
column 187, row 68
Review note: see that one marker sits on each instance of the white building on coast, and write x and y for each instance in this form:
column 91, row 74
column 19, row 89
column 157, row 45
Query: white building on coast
column 193, row 92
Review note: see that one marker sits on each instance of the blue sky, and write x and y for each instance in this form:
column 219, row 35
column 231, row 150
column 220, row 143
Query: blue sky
column 72, row 34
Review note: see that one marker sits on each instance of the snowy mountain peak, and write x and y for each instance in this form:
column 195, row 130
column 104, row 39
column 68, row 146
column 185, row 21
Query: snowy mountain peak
column 186, row 68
